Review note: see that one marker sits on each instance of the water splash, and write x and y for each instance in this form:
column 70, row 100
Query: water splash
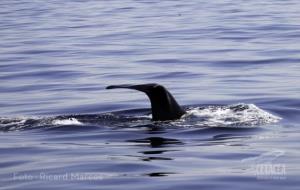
column 227, row 116
column 69, row 121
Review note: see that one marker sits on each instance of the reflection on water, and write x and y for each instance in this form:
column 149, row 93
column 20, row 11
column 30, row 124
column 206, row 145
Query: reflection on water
column 156, row 142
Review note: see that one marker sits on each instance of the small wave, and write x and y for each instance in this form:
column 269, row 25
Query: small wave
column 12, row 124
column 69, row 121
column 232, row 115
column 22, row 123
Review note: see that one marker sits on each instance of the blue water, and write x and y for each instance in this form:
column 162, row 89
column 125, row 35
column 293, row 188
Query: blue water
column 60, row 128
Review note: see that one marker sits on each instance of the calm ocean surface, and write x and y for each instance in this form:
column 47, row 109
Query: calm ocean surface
column 60, row 128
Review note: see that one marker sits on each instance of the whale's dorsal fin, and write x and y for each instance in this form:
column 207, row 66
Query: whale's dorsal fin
column 163, row 104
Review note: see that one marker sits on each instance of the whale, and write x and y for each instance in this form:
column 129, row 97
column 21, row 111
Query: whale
column 164, row 107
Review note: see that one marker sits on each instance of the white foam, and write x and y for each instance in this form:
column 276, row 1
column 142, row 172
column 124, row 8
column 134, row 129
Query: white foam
column 238, row 114
column 69, row 121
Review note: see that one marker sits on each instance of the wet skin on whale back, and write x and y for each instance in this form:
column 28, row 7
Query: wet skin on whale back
column 163, row 104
